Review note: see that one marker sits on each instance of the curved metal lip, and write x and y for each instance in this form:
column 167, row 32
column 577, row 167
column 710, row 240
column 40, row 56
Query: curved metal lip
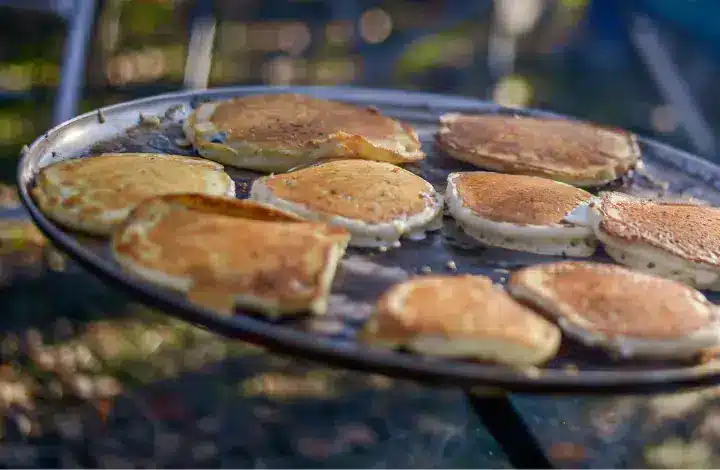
column 350, row 354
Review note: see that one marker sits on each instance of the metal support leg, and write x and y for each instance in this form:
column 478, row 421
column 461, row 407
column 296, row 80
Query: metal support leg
column 72, row 76
column 667, row 76
column 200, row 46
column 503, row 422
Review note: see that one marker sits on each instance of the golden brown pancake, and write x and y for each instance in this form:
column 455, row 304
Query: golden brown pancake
column 227, row 252
column 461, row 316
column 629, row 313
column 676, row 240
column 518, row 212
column 688, row 231
column 95, row 194
column 377, row 202
column 576, row 153
column 277, row 132
column 517, row 199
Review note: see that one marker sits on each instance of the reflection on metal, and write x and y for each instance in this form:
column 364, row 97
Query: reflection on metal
column 200, row 47
column 512, row 19
column 72, row 75
column 673, row 88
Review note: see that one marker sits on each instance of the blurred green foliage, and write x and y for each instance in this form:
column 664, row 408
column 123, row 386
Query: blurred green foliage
column 139, row 49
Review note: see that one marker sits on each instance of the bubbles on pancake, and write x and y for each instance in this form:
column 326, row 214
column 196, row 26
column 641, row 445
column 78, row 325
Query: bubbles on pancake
column 570, row 151
column 679, row 229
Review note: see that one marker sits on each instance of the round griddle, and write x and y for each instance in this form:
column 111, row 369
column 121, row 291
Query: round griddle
column 154, row 125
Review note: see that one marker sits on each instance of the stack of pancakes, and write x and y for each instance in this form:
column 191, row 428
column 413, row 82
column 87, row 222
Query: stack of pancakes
column 335, row 180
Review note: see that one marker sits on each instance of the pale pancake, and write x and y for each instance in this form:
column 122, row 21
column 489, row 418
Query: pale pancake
column 461, row 316
column 518, row 212
column 277, row 132
column 680, row 241
column 628, row 313
column 377, row 202
column 573, row 152
column 226, row 252
column 94, row 195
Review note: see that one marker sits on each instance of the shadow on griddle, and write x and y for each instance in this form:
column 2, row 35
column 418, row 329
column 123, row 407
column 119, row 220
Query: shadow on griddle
column 575, row 355
column 291, row 320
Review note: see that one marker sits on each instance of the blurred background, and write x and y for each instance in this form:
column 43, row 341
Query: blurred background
column 89, row 378
column 644, row 65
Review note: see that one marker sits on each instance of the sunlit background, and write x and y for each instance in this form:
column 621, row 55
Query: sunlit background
column 580, row 57
column 89, row 378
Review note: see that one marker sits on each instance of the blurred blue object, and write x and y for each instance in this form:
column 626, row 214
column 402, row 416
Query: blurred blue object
column 640, row 25
column 699, row 18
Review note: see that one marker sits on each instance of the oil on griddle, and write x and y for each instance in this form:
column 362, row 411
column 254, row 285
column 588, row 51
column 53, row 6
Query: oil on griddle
column 365, row 273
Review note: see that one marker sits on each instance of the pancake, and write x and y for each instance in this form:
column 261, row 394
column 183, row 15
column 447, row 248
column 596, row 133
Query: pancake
column 464, row 317
column 94, row 195
column 573, row 152
column 277, row 132
column 227, row 252
column 628, row 313
column 679, row 241
column 517, row 212
column 377, row 202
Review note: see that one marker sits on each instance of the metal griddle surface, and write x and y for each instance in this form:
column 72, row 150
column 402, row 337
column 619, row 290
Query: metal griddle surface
column 365, row 273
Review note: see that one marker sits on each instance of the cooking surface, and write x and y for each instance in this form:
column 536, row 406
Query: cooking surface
column 365, row 273
column 98, row 381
